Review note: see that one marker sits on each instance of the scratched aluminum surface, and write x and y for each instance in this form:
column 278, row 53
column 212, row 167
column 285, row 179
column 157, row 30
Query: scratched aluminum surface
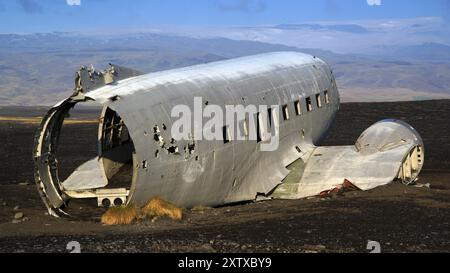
column 210, row 173
column 223, row 173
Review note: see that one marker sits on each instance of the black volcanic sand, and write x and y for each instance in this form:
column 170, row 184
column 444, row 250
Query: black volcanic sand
column 401, row 218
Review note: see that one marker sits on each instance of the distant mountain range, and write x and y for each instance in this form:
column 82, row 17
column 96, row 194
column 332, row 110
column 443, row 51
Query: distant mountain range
column 424, row 52
column 38, row 69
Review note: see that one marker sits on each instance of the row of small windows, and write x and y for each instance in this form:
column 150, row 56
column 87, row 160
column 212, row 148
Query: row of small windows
column 285, row 113
column 308, row 103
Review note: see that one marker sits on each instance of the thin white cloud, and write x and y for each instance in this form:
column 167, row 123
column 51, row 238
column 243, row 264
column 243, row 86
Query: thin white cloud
column 374, row 2
column 381, row 33
column 74, row 2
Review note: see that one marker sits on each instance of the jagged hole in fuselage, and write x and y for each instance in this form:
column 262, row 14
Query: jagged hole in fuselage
column 116, row 150
column 96, row 160
column 77, row 140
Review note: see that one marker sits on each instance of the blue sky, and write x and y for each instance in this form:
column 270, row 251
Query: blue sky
column 26, row 16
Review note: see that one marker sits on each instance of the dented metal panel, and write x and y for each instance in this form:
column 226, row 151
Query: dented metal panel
column 90, row 175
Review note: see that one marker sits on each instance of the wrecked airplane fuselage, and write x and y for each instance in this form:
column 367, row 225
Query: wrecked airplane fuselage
column 136, row 137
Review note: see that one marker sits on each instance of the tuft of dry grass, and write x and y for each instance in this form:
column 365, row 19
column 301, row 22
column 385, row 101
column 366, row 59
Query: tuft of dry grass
column 155, row 208
column 123, row 215
column 158, row 207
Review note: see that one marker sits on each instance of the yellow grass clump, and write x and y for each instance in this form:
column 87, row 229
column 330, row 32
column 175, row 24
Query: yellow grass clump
column 158, row 207
column 123, row 215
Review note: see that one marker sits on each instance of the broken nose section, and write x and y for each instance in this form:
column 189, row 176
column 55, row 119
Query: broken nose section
column 93, row 179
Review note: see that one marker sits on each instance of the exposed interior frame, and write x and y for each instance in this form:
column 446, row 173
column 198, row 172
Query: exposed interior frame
column 411, row 165
column 115, row 151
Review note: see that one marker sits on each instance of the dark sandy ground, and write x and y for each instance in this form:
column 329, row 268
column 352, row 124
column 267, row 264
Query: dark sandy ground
column 400, row 218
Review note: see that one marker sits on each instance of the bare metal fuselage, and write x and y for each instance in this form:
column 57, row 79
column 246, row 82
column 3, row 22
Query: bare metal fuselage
column 199, row 172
